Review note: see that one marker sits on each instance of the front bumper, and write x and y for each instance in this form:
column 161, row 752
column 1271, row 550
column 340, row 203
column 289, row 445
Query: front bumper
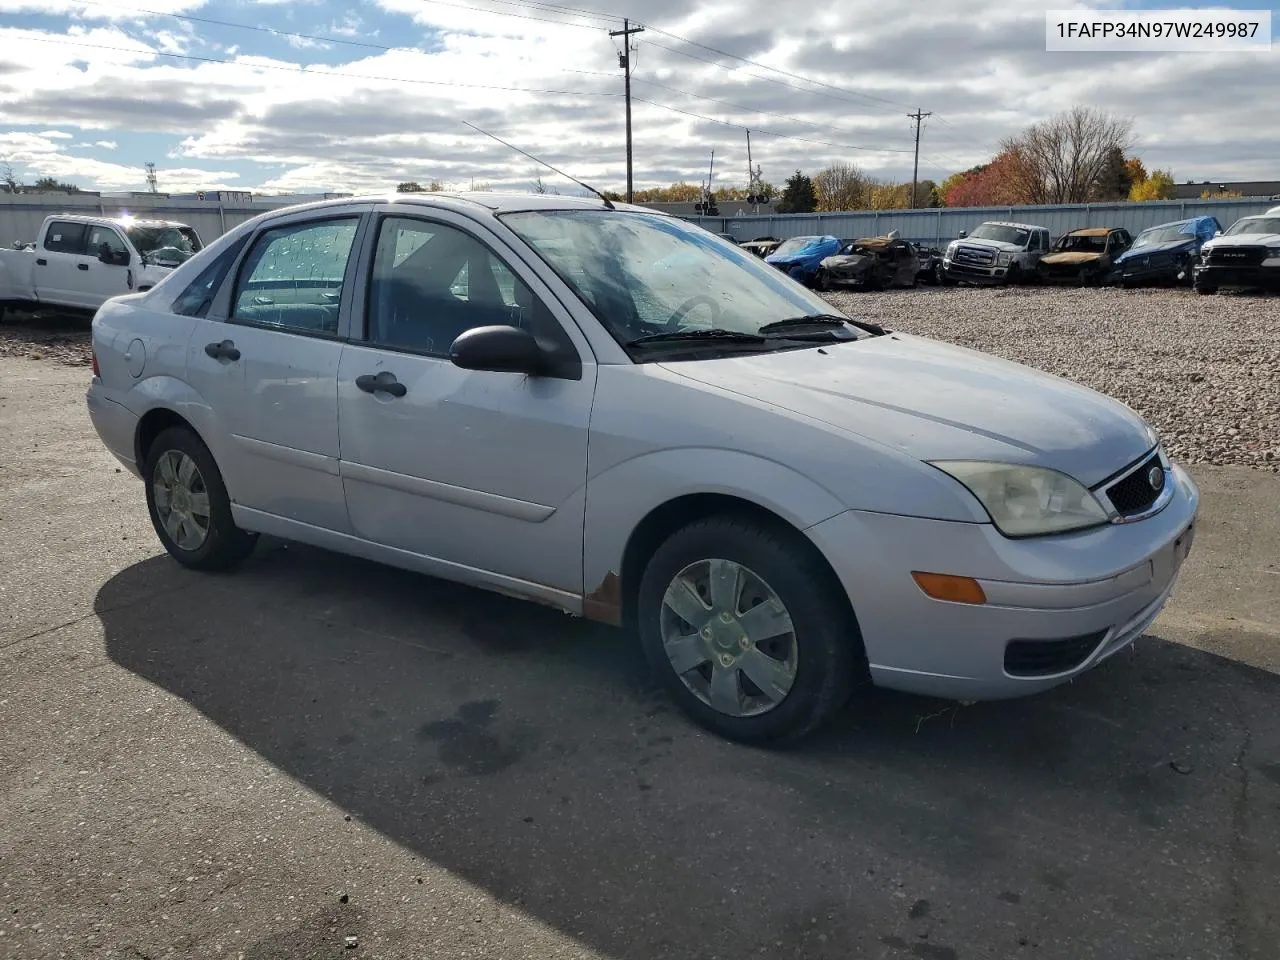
column 1098, row 589
column 116, row 425
column 971, row 273
column 1265, row 274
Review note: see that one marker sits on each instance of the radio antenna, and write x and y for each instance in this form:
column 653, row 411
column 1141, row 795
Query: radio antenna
column 586, row 186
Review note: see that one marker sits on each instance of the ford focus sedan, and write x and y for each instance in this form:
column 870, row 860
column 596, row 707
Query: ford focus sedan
column 617, row 413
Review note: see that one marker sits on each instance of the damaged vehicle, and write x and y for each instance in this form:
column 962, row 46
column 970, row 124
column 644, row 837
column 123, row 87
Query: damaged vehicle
column 800, row 257
column 1246, row 254
column 995, row 253
column 78, row 262
column 1084, row 257
column 1166, row 253
column 761, row 246
column 784, row 504
column 874, row 263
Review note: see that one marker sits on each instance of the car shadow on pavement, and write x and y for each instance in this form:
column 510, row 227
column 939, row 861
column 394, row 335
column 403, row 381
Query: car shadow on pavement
column 530, row 753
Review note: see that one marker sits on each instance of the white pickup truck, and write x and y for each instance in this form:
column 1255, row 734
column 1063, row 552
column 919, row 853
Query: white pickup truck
column 80, row 262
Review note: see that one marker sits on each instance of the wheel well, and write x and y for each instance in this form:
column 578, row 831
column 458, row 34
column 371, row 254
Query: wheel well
column 661, row 522
column 151, row 425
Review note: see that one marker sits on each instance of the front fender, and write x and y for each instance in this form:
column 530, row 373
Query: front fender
column 623, row 495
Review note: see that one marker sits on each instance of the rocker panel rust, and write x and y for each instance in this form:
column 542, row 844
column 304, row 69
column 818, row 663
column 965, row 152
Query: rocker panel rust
column 604, row 603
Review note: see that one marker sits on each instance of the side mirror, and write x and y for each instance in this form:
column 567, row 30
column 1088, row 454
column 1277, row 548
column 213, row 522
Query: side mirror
column 1217, row 233
column 114, row 258
column 963, row 234
column 500, row 349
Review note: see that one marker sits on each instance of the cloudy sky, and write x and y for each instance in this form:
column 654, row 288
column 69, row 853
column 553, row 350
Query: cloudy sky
column 283, row 96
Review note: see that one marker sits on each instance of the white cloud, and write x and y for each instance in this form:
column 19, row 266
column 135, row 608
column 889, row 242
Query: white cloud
column 106, row 144
column 374, row 119
column 55, row 135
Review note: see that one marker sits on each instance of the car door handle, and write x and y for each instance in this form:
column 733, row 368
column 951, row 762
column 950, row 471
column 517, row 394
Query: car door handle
column 226, row 350
column 82, row 266
column 384, row 382
column 42, row 262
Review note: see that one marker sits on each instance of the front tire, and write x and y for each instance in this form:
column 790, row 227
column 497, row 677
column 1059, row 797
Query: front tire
column 1014, row 277
column 189, row 506
column 748, row 631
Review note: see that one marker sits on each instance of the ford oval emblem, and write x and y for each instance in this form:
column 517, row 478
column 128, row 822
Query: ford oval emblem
column 1155, row 477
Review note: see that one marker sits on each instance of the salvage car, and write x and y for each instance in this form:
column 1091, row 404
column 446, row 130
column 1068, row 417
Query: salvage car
column 761, row 246
column 1166, row 253
column 785, row 503
column 996, row 253
column 800, row 257
column 1246, row 254
column 79, row 262
column 1084, row 257
column 874, row 263
column 928, row 263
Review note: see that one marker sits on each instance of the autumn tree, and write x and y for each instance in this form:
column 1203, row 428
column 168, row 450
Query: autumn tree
column 1000, row 183
column 1137, row 171
column 798, row 196
column 1158, row 186
column 842, row 186
column 1066, row 158
column 1114, row 180
column 409, row 186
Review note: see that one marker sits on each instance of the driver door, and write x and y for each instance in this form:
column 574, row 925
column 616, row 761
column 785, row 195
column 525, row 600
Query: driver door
column 482, row 473
column 112, row 276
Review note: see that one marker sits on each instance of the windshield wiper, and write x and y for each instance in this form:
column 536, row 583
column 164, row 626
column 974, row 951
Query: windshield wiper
column 678, row 336
column 821, row 320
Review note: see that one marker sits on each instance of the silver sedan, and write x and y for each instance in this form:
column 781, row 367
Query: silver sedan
column 617, row 413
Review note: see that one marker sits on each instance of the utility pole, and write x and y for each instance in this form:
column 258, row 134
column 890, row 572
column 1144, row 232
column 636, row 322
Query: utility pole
column 624, row 61
column 755, row 186
column 915, row 171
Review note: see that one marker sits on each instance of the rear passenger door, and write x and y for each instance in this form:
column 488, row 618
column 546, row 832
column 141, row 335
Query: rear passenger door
column 57, row 276
column 265, row 359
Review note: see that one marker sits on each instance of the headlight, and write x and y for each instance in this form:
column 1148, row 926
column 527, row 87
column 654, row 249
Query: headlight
column 1005, row 259
column 1027, row 501
column 1273, row 251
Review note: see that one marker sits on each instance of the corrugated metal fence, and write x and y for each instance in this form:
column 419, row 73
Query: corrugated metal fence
column 22, row 214
column 942, row 225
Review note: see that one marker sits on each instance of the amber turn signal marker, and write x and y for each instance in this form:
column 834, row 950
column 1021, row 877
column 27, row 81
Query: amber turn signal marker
column 943, row 586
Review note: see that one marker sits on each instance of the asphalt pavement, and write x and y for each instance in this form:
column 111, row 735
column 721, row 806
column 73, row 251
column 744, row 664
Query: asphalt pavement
column 266, row 763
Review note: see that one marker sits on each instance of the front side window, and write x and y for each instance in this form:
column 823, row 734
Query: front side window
column 292, row 278
column 1082, row 243
column 432, row 282
column 107, row 245
column 645, row 274
column 65, row 237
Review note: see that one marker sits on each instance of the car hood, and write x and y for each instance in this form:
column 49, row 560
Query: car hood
column 791, row 259
column 1156, row 249
column 1244, row 240
column 1075, row 256
column 936, row 401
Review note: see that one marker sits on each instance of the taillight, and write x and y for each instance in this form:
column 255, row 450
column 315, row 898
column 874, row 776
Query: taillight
column 94, row 355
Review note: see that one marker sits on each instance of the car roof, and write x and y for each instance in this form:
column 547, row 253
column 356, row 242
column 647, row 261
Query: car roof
column 1092, row 231
column 1010, row 223
column 494, row 202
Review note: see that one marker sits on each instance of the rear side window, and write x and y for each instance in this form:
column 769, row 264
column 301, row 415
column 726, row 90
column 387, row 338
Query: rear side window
column 198, row 297
column 292, row 278
column 65, row 237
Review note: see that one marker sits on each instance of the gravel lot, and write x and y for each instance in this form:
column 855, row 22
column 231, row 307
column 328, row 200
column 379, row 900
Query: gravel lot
column 1204, row 370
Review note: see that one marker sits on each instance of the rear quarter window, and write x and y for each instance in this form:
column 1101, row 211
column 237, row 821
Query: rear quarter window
column 197, row 298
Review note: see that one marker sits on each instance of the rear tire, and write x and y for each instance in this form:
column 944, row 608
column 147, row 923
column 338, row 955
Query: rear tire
column 777, row 675
column 189, row 506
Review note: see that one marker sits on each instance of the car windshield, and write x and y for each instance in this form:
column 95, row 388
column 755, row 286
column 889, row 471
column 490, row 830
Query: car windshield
column 646, row 274
column 1253, row 225
column 1082, row 243
column 165, row 244
column 1002, row 234
column 1168, row 234
column 796, row 245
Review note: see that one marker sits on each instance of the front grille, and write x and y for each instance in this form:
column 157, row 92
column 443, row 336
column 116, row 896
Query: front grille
column 1045, row 658
column 969, row 271
column 1237, row 256
column 1135, row 493
column 975, row 255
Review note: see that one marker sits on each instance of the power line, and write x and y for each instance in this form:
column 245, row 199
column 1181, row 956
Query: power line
column 739, row 106
column 767, row 133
